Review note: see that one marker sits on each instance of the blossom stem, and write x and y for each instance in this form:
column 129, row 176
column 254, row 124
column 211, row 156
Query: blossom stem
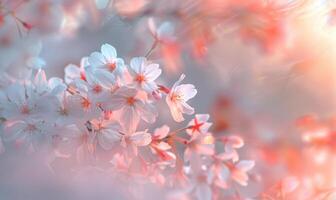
column 149, row 52
column 179, row 130
column 180, row 140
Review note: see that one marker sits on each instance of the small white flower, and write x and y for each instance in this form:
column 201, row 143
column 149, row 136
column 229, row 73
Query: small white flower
column 178, row 97
column 28, row 133
column 199, row 125
column 144, row 73
column 107, row 60
column 105, row 133
column 231, row 143
column 22, row 103
column 98, row 83
column 67, row 110
column 131, row 108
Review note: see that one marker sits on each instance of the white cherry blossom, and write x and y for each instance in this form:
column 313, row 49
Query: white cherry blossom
column 131, row 108
column 107, row 60
column 22, row 104
column 144, row 73
column 73, row 72
column 105, row 133
column 29, row 134
column 178, row 97
column 132, row 141
column 238, row 172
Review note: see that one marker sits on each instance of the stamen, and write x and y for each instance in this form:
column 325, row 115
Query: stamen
column 130, row 101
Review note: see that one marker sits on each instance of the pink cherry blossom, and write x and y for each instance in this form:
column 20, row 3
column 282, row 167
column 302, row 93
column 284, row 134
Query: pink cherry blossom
column 199, row 145
column 199, row 125
column 231, row 143
column 178, row 97
column 160, row 147
column 238, row 171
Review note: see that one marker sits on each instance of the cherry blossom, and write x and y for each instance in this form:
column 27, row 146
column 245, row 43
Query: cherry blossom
column 107, row 60
column 95, row 115
column 134, row 140
column 144, row 73
column 199, row 145
column 131, row 107
column 67, row 110
column 199, row 125
column 238, row 171
column 231, row 143
column 73, row 72
column 29, row 134
column 178, row 97
column 22, row 103
column 105, row 133
column 160, row 147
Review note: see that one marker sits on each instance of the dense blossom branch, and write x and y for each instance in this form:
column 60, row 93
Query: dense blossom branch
column 101, row 104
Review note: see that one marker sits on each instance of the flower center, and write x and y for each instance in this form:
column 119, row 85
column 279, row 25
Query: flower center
column 25, row 109
column 197, row 126
column 97, row 89
column 85, row 103
column 140, row 78
column 175, row 97
column 130, row 101
column 111, row 66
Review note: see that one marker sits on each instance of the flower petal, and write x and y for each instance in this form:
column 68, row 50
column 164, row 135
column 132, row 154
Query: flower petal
column 137, row 63
column 245, row 165
column 109, row 52
column 96, row 59
column 188, row 91
column 141, row 138
column 146, row 111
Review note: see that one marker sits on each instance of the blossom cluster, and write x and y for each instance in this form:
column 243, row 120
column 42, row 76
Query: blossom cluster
column 106, row 105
